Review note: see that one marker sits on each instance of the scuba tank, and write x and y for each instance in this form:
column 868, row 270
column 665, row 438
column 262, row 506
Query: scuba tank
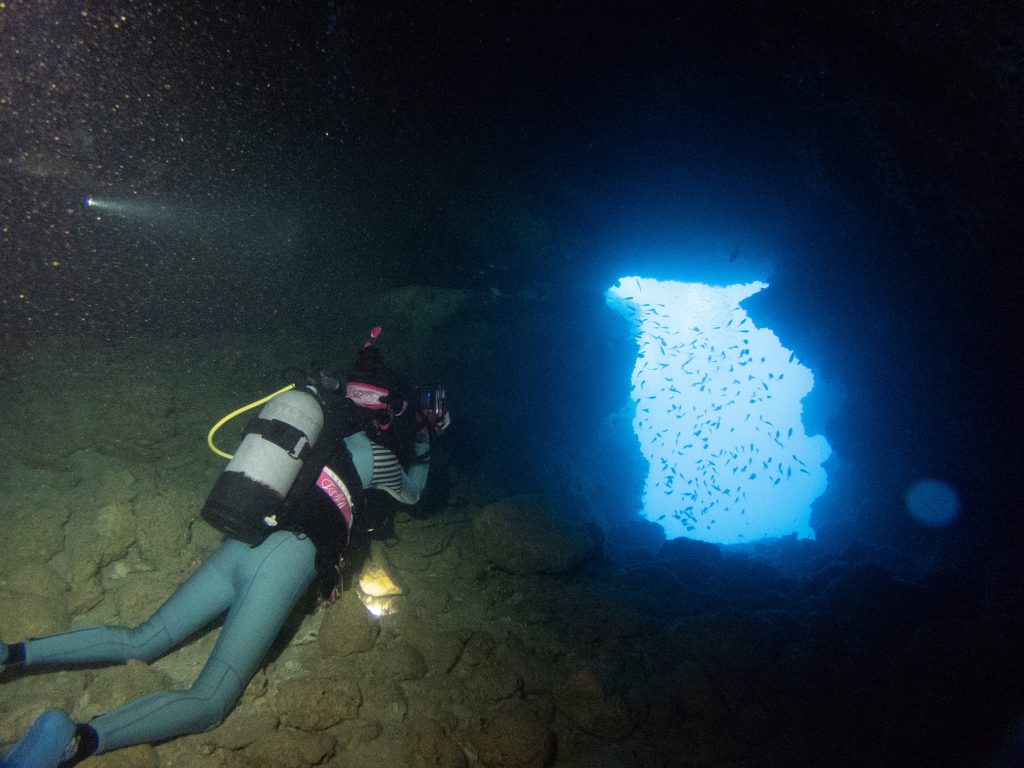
column 249, row 494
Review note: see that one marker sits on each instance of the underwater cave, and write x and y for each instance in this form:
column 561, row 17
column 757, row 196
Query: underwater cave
column 721, row 295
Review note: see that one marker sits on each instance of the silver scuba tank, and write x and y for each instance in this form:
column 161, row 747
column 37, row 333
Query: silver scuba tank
column 265, row 461
column 248, row 494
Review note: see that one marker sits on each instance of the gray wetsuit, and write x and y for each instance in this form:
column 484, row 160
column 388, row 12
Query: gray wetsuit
column 256, row 586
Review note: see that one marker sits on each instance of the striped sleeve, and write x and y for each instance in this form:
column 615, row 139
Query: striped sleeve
column 388, row 475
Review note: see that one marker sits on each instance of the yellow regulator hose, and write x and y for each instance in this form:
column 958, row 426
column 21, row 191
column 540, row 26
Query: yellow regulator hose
column 230, row 416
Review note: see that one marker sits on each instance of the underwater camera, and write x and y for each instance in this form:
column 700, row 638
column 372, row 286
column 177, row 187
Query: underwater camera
column 433, row 401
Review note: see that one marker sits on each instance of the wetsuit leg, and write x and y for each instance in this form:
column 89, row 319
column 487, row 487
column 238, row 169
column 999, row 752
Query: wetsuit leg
column 268, row 580
column 204, row 596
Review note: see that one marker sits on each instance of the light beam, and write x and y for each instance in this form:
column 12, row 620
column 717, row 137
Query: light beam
column 141, row 210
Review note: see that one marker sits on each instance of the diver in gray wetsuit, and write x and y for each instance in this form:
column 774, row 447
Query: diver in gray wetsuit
column 256, row 585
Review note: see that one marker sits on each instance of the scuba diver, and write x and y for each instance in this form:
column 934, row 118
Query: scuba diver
column 285, row 503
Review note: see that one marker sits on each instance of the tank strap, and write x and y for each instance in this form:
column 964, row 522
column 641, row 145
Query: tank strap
column 285, row 436
column 330, row 447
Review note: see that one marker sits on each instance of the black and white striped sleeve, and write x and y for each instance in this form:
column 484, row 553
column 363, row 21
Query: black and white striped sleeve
column 388, row 475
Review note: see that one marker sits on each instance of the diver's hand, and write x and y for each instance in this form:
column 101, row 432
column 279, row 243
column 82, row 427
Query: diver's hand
column 442, row 424
column 437, row 426
column 432, row 429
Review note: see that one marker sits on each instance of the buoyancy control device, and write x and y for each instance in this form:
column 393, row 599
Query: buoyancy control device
column 249, row 495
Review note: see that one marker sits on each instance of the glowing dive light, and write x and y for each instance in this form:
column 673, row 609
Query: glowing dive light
column 141, row 210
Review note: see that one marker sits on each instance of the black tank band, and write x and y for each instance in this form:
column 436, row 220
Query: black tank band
column 285, row 436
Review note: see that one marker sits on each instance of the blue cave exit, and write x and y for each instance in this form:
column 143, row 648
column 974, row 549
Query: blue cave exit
column 718, row 406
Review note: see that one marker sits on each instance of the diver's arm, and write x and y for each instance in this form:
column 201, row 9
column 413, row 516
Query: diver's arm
column 404, row 485
column 379, row 468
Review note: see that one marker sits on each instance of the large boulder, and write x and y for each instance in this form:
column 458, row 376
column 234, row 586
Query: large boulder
column 429, row 744
column 243, row 726
column 871, row 612
column 284, row 748
column 441, row 649
column 585, row 699
column 316, row 702
column 96, row 538
column 347, row 627
column 30, row 536
column 512, row 736
column 37, row 579
column 420, row 546
column 32, row 602
column 493, row 682
column 402, row 661
column 164, row 519
column 524, row 537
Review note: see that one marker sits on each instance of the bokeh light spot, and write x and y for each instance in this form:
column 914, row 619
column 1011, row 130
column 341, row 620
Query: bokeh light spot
column 933, row 502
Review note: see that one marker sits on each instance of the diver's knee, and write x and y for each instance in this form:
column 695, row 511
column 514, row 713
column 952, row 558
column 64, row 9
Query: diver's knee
column 211, row 713
column 148, row 641
column 219, row 689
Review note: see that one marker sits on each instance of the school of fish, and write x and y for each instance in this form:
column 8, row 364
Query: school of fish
column 718, row 403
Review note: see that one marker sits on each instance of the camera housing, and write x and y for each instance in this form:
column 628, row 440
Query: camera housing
column 433, row 401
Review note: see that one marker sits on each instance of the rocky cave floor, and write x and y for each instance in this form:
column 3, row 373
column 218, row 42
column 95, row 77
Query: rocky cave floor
column 517, row 640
